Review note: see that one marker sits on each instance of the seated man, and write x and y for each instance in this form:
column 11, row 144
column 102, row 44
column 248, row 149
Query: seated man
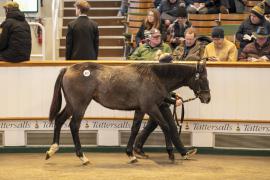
column 220, row 49
column 15, row 38
column 164, row 108
column 152, row 48
column 250, row 25
column 191, row 50
column 259, row 50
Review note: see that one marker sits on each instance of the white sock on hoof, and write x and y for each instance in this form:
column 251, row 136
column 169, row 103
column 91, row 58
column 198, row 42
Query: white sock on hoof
column 84, row 159
column 53, row 149
column 133, row 159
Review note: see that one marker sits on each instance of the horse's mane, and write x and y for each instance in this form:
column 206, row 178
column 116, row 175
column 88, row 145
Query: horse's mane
column 172, row 70
column 144, row 70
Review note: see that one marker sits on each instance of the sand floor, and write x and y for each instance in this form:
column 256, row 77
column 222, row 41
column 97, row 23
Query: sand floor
column 114, row 166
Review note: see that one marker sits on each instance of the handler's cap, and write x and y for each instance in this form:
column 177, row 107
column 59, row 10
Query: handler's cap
column 10, row 5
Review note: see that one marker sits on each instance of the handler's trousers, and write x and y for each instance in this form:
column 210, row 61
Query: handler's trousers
column 152, row 125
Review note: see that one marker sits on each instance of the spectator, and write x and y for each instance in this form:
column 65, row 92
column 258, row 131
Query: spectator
column 176, row 30
column 123, row 9
column 192, row 49
column 197, row 7
column 250, row 25
column 151, row 21
column 266, row 5
column 220, row 49
column 259, row 50
column 15, row 39
column 152, row 49
column 167, row 9
column 82, row 38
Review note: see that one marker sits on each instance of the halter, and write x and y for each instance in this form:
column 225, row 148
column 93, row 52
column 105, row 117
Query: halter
column 197, row 92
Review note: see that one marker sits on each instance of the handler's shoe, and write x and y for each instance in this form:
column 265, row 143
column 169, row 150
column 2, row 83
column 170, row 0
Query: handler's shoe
column 139, row 153
column 189, row 153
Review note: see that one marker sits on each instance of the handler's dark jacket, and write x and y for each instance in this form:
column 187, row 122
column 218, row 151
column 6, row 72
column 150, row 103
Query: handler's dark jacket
column 15, row 39
column 82, row 40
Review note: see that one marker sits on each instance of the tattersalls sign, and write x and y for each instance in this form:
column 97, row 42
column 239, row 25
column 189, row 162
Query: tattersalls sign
column 126, row 125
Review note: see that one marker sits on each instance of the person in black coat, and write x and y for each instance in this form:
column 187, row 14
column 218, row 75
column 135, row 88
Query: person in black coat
column 15, row 38
column 82, row 40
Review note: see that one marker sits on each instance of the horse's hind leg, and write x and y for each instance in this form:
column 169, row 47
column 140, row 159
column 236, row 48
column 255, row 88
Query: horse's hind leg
column 74, row 128
column 59, row 121
column 138, row 116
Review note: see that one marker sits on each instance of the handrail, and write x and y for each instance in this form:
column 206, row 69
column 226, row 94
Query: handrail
column 53, row 63
column 55, row 10
column 43, row 45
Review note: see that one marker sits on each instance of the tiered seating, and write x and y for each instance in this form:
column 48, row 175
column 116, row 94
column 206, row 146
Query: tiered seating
column 204, row 22
column 137, row 11
column 111, row 29
column 250, row 4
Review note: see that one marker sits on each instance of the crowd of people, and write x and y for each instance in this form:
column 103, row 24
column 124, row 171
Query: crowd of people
column 166, row 29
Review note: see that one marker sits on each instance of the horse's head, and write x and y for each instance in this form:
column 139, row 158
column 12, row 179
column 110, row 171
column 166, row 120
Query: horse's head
column 199, row 83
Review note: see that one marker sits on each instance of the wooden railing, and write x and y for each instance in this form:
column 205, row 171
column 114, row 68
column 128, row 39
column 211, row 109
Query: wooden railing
column 122, row 63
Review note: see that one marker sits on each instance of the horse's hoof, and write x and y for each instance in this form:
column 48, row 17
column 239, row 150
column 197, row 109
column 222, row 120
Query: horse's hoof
column 47, row 156
column 84, row 160
column 86, row 163
column 171, row 157
column 133, row 160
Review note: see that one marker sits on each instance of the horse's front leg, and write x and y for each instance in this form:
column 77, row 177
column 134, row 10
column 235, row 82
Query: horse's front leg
column 59, row 121
column 74, row 127
column 138, row 117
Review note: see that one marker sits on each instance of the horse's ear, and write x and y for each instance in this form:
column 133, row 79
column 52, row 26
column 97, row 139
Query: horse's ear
column 200, row 65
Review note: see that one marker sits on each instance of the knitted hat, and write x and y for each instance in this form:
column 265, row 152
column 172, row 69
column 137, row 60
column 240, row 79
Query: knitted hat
column 258, row 10
column 11, row 4
column 217, row 32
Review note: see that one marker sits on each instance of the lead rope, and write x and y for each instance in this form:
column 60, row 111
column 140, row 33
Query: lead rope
column 182, row 112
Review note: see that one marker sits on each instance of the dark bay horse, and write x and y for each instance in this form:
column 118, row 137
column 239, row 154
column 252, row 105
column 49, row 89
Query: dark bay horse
column 139, row 87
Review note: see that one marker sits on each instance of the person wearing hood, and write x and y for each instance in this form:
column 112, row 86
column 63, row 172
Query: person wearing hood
column 15, row 38
column 245, row 32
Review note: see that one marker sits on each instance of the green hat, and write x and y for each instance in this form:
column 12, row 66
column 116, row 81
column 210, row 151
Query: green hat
column 261, row 32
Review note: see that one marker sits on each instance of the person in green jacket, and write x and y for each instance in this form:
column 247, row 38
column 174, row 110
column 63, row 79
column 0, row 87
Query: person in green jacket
column 152, row 49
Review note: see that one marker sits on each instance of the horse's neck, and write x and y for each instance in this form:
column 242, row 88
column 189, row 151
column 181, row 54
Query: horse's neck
column 174, row 76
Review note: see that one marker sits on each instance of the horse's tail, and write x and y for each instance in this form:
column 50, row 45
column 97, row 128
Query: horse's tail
column 57, row 96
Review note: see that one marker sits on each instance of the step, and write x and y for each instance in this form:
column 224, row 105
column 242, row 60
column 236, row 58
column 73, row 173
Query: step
column 102, row 21
column 97, row 3
column 70, row 12
column 104, row 51
column 104, row 30
column 103, row 41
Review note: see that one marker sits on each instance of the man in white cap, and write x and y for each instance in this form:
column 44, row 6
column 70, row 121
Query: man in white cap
column 152, row 49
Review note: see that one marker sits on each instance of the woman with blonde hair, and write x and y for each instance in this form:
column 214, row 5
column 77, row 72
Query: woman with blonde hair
column 152, row 21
